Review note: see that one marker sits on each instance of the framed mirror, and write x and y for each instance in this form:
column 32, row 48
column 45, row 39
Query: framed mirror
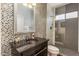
column 24, row 19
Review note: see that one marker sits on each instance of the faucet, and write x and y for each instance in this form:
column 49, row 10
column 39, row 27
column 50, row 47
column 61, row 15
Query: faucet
column 27, row 38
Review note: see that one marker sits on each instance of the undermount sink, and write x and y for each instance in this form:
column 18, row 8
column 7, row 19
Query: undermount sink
column 25, row 47
column 30, row 43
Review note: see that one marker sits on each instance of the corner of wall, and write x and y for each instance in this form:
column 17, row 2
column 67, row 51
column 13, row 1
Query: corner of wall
column 0, row 29
column 50, row 34
column 78, row 34
column 78, row 27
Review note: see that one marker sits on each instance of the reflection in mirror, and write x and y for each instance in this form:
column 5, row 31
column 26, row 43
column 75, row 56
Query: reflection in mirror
column 24, row 19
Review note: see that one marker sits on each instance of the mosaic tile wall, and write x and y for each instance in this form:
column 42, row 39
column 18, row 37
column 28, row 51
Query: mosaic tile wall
column 7, row 23
column 0, row 30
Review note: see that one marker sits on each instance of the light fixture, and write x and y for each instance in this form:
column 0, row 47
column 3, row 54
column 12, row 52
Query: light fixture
column 25, row 4
column 30, row 5
column 34, row 4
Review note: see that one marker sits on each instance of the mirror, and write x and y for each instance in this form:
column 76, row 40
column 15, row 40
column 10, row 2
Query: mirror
column 24, row 19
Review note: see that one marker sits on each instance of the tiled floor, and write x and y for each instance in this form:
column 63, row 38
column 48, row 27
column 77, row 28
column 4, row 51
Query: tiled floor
column 68, row 52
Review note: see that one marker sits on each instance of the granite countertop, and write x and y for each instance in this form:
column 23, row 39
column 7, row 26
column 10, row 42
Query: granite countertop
column 33, row 43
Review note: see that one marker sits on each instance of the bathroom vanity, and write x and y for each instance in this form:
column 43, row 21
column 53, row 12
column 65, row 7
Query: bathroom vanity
column 24, row 22
column 31, row 47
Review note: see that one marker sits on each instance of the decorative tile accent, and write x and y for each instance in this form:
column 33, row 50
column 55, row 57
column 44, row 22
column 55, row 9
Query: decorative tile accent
column 0, row 29
column 7, row 21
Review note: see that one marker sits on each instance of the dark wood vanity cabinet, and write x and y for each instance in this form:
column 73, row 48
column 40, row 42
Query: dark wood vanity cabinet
column 39, row 49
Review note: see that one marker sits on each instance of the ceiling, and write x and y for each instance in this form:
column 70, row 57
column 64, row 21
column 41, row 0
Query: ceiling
column 54, row 5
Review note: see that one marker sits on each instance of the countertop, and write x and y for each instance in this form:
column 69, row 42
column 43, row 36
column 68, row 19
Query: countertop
column 34, row 42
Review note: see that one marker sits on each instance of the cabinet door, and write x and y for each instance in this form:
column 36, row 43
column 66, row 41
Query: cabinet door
column 43, row 52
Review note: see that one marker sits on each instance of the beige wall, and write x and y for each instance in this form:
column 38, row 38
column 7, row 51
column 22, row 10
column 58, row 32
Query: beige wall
column 50, row 33
column 40, row 20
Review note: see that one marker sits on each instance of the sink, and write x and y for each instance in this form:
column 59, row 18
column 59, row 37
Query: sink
column 25, row 47
column 30, row 43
